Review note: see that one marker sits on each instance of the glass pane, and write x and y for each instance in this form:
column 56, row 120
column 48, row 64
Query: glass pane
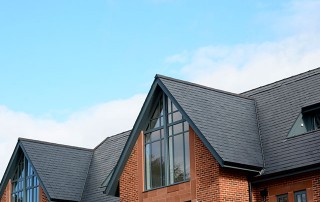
column 156, row 165
column 163, row 163
column 169, row 105
column 178, row 158
column 170, row 129
column 155, row 120
column 187, row 154
column 155, row 135
column 317, row 121
column 177, row 116
column 177, row 128
column 171, row 164
column 148, row 166
column 170, row 118
column 148, row 137
column 185, row 126
column 154, row 123
column 174, row 108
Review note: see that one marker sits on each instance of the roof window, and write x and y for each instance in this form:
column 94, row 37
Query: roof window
column 308, row 120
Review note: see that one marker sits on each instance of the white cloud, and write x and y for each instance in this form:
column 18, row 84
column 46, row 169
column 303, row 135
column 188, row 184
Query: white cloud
column 242, row 67
column 86, row 128
column 178, row 58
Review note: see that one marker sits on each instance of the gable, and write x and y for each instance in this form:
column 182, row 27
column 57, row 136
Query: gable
column 22, row 174
column 222, row 120
column 62, row 169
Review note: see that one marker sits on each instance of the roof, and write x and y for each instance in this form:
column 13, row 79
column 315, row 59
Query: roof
column 62, row 169
column 278, row 106
column 68, row 173
column 104, row 159
column 224, row 121
column 228, row 121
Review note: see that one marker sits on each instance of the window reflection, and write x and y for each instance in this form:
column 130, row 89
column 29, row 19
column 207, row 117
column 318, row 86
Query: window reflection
column 25, row 185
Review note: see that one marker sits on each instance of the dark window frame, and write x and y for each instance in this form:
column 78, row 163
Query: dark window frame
column 307, row 121
column 301, row 192
column 25, row 183
column 168, row 110
column 282, row 197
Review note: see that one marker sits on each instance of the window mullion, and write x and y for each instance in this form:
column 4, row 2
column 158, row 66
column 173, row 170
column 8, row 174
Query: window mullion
column 24, row 180
column 166, row 140
column 184, row 152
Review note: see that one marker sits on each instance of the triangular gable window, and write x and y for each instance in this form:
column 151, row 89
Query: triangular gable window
column 167, row 156
column 308, row 120
column 25, row 184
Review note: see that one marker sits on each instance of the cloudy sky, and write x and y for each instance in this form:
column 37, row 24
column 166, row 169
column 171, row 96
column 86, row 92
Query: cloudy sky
column 77, row 71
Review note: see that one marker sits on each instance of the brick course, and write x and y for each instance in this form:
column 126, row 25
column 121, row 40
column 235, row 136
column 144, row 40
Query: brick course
column 208, row 181
column 215, row 183
column 6, row 195
column 307, row 181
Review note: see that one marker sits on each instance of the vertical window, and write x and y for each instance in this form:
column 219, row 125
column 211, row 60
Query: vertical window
column 300, row 196
column 167, row 156
column 25, row 184
column 282, row 198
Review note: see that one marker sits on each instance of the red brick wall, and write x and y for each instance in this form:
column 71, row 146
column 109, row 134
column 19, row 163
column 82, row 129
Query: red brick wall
column 307, row 181
column 215, row 183
column 207, row 173
column 42, row 195
column 6, row 195
column 129, row 181
column 132, row 181
column 233, row 185
column 209, row 182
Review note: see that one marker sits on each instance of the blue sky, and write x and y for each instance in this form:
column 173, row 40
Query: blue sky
column 77, row 71
column 60, row 56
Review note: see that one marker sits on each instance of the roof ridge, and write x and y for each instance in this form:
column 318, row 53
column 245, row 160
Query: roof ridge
column 54, row 144
column 103, row 141
column 283, row 80
column 202, row 86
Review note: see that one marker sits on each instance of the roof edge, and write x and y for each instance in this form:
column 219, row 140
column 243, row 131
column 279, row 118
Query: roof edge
column 5, row 178
column 54, row 144
column 103, row 141
column 281, row 81
column 35, row 170
column 202, row 86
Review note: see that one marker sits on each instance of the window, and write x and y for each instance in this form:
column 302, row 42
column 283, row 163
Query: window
column 300, row 196
column 308, row 120
column 282, row 198
column 25, row 184
column 167, row 158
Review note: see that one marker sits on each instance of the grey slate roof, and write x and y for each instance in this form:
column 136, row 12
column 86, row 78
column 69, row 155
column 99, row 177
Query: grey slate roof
column 228, row 121
column 72, row 173
column 62, row 169
column 104, row 159
column 278, row 106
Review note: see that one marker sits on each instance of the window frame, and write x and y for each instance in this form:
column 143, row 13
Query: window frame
column 282, row 196
column 296, row 193
column 164, row 139
column 305, row 122
column 29, row 182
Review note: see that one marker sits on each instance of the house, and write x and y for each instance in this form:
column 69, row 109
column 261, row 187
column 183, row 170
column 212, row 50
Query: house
column 189, row 143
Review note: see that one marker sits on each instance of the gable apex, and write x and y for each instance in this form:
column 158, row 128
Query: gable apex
column 203, row 108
